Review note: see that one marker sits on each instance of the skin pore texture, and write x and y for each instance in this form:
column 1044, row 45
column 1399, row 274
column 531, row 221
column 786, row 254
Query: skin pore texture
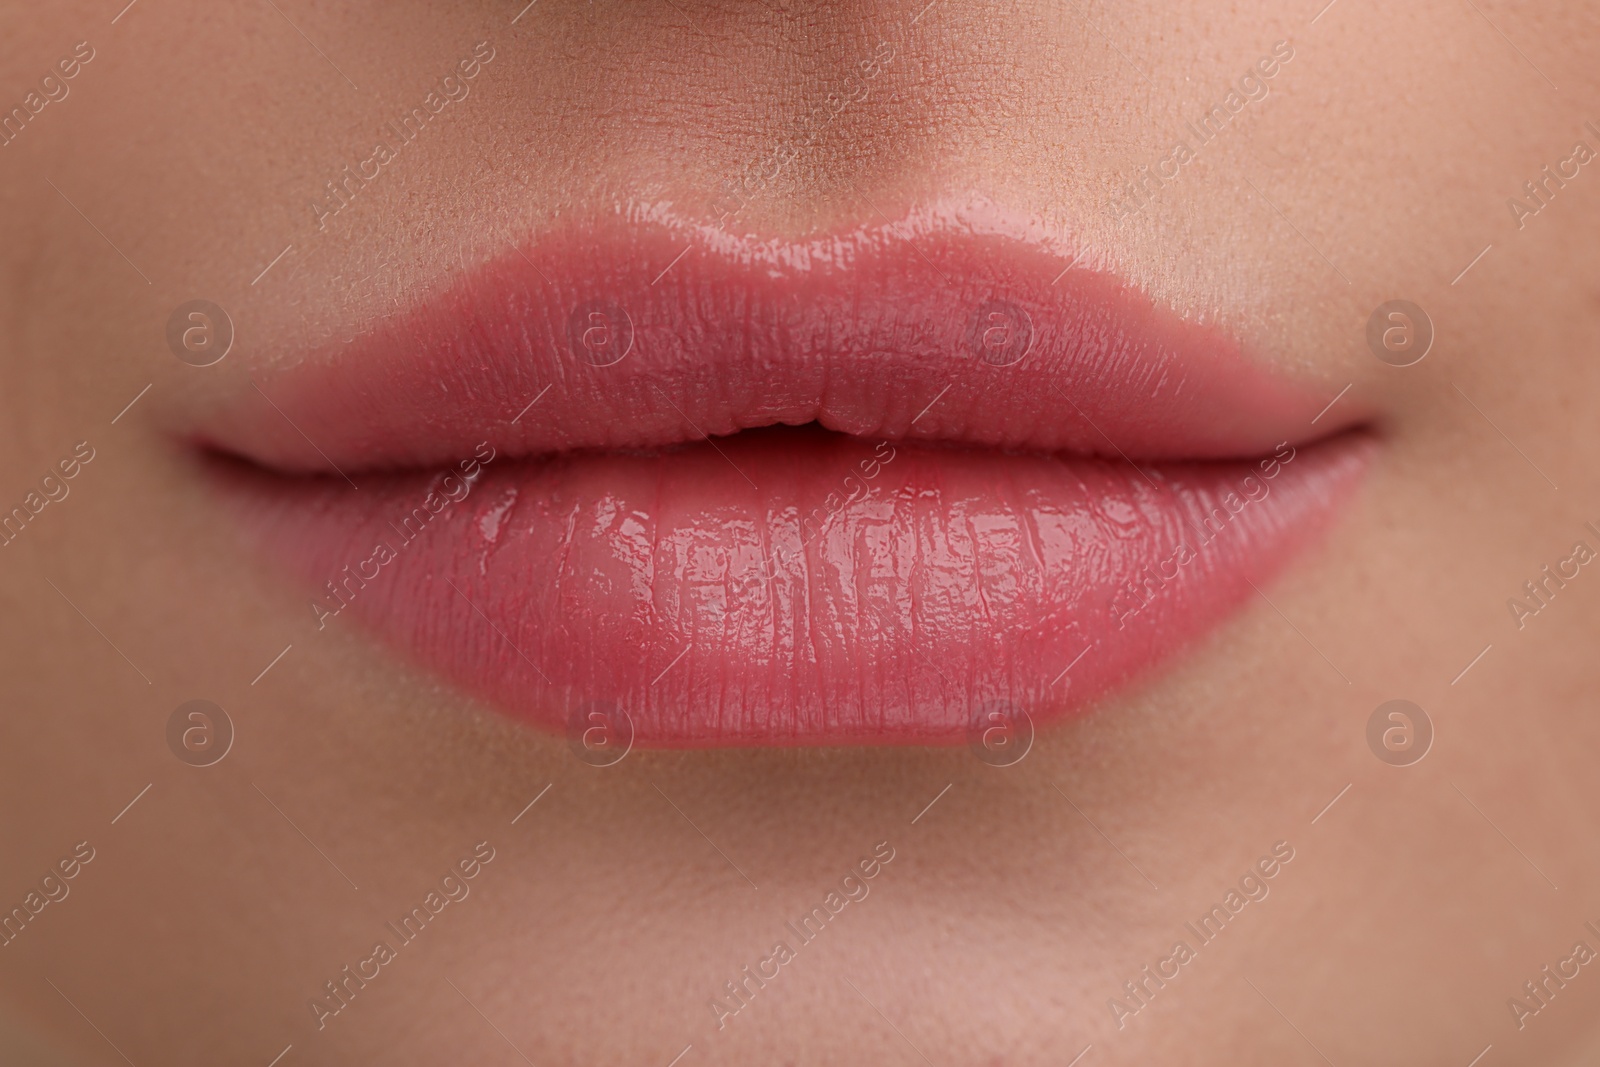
column 969, row 913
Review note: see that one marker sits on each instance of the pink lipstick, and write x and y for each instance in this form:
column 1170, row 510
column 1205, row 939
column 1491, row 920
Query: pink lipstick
column 850, row 489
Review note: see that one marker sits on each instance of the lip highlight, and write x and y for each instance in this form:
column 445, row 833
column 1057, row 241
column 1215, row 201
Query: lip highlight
column 857, row 489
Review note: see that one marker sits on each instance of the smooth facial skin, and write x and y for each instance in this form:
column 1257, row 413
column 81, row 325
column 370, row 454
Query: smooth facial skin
column 182, row 162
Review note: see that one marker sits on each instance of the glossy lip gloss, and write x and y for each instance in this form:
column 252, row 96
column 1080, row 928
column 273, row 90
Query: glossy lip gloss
column 968, row 479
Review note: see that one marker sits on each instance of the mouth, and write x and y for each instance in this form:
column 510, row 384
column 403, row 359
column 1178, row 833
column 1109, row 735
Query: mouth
column 886, row 485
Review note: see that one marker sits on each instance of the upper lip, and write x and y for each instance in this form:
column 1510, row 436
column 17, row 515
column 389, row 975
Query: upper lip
column 955, row 323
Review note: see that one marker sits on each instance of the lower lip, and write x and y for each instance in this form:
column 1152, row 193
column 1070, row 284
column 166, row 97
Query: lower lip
column 789, row 587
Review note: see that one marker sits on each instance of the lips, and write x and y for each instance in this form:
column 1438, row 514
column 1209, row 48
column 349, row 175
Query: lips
column 860, row 488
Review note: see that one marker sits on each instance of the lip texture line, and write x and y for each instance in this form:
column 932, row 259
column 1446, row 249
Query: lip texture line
column 931, row 511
